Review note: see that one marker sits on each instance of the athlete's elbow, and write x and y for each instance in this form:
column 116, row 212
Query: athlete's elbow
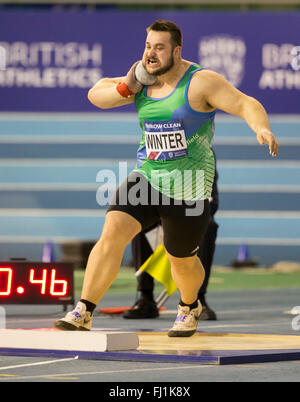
column 95, row 99
column 90, row 95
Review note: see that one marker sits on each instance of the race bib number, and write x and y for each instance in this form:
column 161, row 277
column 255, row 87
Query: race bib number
column 165, row 140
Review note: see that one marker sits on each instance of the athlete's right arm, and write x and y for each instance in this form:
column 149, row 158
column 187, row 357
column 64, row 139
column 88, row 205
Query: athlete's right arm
column 104, row 93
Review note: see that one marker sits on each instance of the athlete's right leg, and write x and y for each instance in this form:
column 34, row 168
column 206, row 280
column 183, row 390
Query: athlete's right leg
column 124, row 220
column 102, row 267
column 106, row 256
column 144, row 306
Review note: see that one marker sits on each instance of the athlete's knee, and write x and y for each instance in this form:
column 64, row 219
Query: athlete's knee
column 119, row 228
column 182, row 263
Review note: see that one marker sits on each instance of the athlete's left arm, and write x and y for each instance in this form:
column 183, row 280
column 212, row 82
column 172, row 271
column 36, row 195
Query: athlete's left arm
column 220, row 94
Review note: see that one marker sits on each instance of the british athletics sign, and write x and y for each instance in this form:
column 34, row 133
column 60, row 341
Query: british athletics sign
column 50, row 59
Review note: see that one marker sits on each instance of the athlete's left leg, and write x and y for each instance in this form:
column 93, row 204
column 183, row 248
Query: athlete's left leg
column 188, row 274
column 183, row 236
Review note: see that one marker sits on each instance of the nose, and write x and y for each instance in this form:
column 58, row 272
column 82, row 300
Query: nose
column 150, row 52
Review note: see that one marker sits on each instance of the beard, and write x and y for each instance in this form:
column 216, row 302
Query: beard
column 164, row 69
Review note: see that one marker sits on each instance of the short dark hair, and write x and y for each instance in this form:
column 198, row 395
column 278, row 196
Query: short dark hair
column 168, row 26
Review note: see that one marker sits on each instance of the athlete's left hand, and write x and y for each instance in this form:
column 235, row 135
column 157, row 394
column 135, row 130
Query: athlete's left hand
column 266, row 137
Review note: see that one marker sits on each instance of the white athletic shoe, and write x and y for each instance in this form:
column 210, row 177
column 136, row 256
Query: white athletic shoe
column 76, row 320
column 186, row 321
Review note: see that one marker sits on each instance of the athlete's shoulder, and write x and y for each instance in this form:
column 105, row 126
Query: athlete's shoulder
column 206, row 74
column 207, row 79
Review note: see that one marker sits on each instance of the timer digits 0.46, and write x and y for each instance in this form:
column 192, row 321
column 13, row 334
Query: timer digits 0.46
column 36, row 283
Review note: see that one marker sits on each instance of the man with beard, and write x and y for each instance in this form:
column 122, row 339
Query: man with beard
column 175, row 170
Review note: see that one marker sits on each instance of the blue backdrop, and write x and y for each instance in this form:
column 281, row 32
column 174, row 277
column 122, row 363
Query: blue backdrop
column 52, row 58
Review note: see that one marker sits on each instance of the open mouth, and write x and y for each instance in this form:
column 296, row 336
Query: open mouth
column 152, row 62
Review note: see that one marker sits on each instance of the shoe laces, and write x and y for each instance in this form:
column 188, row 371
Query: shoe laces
column 75, row 315
column 185, row 314
column 79, row 313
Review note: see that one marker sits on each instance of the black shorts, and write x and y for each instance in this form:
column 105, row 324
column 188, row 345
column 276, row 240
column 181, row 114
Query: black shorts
column 184, row 223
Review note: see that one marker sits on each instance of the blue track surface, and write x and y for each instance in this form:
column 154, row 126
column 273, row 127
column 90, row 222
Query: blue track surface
column 256, row 312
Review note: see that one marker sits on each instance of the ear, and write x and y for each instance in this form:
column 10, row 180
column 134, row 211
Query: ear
column 177, row 52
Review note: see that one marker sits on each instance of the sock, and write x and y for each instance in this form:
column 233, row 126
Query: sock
column 89, row 305
column 191, row 306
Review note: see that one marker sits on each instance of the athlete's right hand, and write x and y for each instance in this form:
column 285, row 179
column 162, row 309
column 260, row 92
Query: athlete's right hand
column 131, row 81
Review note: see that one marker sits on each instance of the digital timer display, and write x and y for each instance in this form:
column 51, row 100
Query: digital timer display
column 36, row 283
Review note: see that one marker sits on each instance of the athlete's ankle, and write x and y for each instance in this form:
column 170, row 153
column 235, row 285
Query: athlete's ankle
column 89, row 305
column 191, row 306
